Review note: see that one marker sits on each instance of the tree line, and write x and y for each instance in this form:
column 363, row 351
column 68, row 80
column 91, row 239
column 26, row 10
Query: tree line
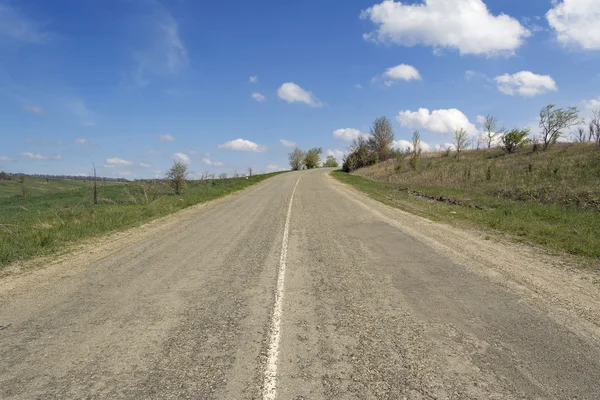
column 300, row 159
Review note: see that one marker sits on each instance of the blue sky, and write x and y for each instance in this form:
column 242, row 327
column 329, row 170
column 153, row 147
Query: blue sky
column 133, row 84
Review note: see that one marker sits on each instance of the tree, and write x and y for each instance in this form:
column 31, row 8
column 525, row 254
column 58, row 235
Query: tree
column 416, row 154
column 330, row 162
column 382, row 138
column 461, row 141
column 579, row 135
column 514, row 139
column 177, row 175
column 250, row 171
column 595, row 127
column 553, row 121
column 296, row 158
column 359, row 155
column 491, row 129
column 313, row 157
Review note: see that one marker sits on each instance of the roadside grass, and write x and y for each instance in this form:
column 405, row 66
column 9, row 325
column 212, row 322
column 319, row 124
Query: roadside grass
column 42, row 224
column 558, row 211
column 40, row 186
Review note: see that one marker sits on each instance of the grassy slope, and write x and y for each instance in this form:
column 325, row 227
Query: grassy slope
column 553, row 204
column 38, row 186
column 44, row 223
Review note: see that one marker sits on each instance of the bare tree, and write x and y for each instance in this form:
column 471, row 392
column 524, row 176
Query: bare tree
column 95, row 186
column 553, row 122
column 382, row 138
column 492, row 129
column 296, row 158
column 250, row 171
column 177, row 175
column 461, row 141
column 594, row 130
column 579, row 135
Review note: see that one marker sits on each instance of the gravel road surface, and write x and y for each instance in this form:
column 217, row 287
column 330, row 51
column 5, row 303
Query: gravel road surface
column 333, row 296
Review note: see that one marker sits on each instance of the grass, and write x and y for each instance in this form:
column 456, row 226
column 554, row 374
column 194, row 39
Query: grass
column 40, row 186
column 550, row 199
column 62, row 213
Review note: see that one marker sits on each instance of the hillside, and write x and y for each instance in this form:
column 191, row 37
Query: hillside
column 548, row 198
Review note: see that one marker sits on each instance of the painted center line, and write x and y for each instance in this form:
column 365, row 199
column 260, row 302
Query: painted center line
column 270, row 382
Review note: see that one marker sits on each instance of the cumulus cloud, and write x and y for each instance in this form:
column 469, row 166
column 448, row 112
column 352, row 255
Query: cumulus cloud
column 208, row 161
column 293, row 93
column 182, row 157
column 525, row 83
column 439, row 121
column 254, row 79
column 338, row 154
column 576, row 23
column 166, row 138
column 17, row 26
column 593, row 104
column 287, row 143
column 258, row 97
column 402, row 72
column 34, row 109
column 242, row 145
column 145, row 165
column 347, row 134
column 405, row 144
column 113, row 162
column 465, row 25
column 38, row 156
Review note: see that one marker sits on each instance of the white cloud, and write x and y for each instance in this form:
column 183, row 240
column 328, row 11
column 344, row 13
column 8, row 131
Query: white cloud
column 466, row 25
column 338, row 154
column 16, row 26
column 208, row 161
column 471, row 76
column 144, row 165
column 593, row 104
column 37, row 156
column 271, row 167
column 258, row 97
column 576, row 23
column 166, row 138
column 78, row 107
column 480, row 119
column 293, row 93
column 182, row 157
column 6, row 158
column 401, row 72
column 287, row 143
column 154, row 152
column 525, row 83
column 242, row 145
column 358, row 86
column 34, row 109
column 114, row 162
column 347, row 134
column 439, row 121
column 405, row 144
column 166, row 55
column 83, row 142
column 254, row 79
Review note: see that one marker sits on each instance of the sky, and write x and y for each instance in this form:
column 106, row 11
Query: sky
column 132, row 85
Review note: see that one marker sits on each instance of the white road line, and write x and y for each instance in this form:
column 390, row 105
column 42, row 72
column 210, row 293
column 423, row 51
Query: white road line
column 270, row 382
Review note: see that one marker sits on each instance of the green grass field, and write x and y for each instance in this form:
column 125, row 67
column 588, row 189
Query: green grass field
column 548, row 198
column 59, row 213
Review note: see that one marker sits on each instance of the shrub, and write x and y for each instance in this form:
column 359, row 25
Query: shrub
column 313, row 157
column 514, row 139
column 177, row 176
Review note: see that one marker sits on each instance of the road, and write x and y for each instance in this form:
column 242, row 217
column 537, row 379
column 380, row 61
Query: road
column 326, row 297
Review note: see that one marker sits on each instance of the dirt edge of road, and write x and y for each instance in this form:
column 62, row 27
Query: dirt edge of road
column 570, row 295
column 35, row 273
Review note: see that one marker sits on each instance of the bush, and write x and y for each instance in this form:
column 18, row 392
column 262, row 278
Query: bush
column 514, row 139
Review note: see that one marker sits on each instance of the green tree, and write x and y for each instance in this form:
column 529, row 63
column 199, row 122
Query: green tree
column 177, row 176
column 296, row 158
column 313, row 157
column 330, row 162
column 417, row 149
column 514, row 139
column 554, row 121
column 382, row 138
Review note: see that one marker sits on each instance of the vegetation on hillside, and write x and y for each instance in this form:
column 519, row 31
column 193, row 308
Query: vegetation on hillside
column 305, row 159
column 539, row 189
